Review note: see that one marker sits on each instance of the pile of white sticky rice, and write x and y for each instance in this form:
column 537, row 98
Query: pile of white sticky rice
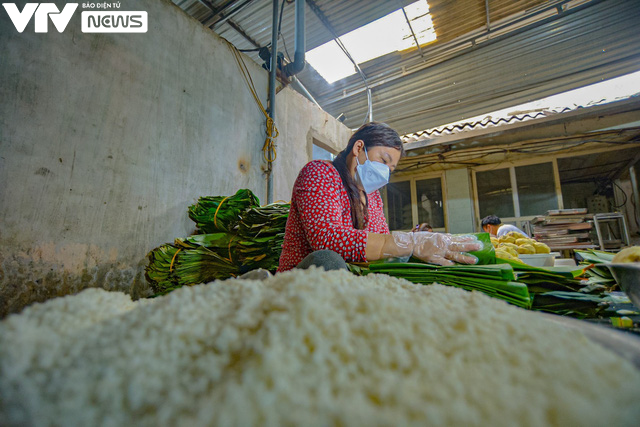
column 305, row 348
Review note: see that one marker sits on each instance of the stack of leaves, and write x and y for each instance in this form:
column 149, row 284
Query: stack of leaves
column 597, row 272
column 195, row 259
column 546, row 279
column 260, row 236
column 218, row 213
column 497, row 280
column 559, row 290
column 237, row 235
column 573, row 304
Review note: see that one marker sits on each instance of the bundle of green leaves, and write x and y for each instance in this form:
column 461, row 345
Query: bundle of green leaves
column 237, row 235
column 158, row 271
column 221, row 213
column 191, row 260
column 260, row 236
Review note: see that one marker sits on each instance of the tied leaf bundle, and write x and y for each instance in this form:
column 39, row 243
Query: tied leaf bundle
column 242, row 236
column 159, row 269
column 202, row 265
column 195, row 259
column 261, row 235
column 217, row 213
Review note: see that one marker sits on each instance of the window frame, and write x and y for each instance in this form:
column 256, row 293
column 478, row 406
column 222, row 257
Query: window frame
column 512, row 165
column 414, row 196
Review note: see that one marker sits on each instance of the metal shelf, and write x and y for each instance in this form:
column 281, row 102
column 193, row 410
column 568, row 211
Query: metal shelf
column 604, row 224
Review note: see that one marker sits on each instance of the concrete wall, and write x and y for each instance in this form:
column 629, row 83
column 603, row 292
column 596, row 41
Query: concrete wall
column 106, row 139
column 294, row 146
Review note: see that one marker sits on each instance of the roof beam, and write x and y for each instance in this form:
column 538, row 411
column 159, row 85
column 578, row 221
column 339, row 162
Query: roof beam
column 241, row 31
column 441, row 52
column 412, row 32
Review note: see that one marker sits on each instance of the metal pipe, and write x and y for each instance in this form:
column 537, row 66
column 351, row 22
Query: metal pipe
column 636, row 196
column 272, row 89
column 297, row 84
column 298, row 58
column 369, row 105
column 486, row 8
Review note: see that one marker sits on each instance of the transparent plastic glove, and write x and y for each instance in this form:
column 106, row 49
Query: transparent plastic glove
column 400, row 249
column 443, row 249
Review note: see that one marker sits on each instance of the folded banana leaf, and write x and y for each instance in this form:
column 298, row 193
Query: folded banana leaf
column 597, row 272
column 547, row 279
column 217, row 213
column 497, row 280
column 486, row 255
column 595, row 257
column 572, row 304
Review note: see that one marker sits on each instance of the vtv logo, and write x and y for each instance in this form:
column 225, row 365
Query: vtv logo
column 43, row 12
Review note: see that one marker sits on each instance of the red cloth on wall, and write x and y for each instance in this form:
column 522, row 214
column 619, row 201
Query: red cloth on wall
column 320, row 217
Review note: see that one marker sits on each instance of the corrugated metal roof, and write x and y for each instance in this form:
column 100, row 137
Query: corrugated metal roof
column 487, row 122
column 534, row 48
column 502, row 119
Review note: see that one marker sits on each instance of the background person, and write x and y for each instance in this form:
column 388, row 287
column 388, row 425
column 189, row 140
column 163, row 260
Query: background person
column 337, row 215
column 492, row 225
column 423, row 227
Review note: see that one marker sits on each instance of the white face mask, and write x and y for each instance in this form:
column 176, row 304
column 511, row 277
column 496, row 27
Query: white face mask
column 372, row 175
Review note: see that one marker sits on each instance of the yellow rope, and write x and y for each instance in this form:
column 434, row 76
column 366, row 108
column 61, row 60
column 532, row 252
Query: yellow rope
column 269, row 148
column 215, row 215
column 230, row 240
column 173, row 259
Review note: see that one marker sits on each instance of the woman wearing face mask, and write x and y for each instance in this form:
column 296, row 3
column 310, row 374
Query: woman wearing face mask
column 337, row 215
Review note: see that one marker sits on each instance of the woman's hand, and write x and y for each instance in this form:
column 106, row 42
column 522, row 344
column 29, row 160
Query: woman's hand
column 435, row 248
column 443, row 249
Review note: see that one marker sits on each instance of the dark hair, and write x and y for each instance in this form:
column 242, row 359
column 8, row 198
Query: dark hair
column 425, row 226
column 491, row 220
column 373, row 134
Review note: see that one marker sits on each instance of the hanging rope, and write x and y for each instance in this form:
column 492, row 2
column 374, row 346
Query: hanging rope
column 269, row 148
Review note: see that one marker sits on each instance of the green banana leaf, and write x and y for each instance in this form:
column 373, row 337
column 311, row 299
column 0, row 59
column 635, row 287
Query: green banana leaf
column 572, row 304
column 595, row 256
column 486, row 255
column 218, row 213
column 496, row 280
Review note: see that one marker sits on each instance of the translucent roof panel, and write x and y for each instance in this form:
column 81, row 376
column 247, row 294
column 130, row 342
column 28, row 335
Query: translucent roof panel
column 388, row 34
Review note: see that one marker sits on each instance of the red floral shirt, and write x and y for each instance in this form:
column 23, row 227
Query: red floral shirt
column 320, row 217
